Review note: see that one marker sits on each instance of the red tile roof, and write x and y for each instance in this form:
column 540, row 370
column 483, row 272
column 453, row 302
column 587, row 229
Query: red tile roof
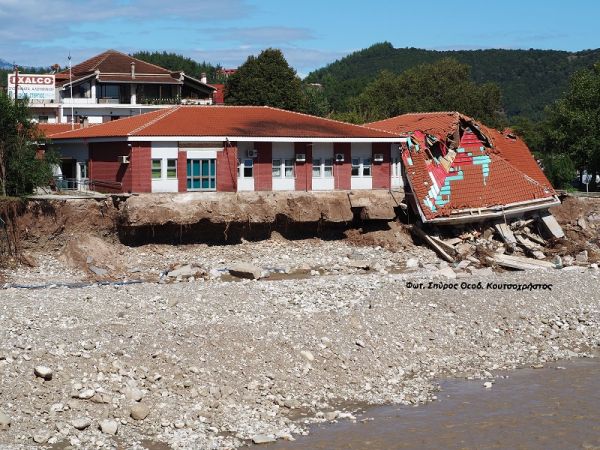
column 114, row 66
column 226, row 121
column 439, row 124
column 479, row 176
column 50, row 129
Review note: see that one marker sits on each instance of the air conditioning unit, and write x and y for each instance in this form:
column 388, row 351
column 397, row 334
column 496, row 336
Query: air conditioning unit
column 252, row 153
column 339, row 157
column 124, row 159
column 378, row 157
column 300, row 157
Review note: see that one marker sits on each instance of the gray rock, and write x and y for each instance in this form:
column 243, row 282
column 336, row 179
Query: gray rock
column 447, row 272
column 331, row 415
column 185, row 271
column 359, row 264
column 109, row 426
column 86, row 394
column 246, row 270
column 43, row 372
column 263, row 439
column 139, row 411
column 41, row 437
column 308, row 355
column 81, row 423
column 4, row 421
column 98, row 271
column 582, row 257
column 412, row 263
column 132, row 393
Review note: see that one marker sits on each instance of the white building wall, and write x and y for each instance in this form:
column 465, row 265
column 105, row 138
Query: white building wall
column 244, row 183
column 396, row 167
column 362, row 150
column 322, row 151
column 284, row 150
column 164, row 151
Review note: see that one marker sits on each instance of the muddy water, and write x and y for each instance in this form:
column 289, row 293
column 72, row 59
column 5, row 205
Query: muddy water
column 557, row 407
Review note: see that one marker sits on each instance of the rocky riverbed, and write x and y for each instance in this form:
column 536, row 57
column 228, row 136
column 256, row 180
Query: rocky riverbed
column 208, row 362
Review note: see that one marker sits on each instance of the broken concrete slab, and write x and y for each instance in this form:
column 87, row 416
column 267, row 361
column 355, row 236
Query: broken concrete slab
column 505, row 233
column 551, row 225
column 436, row 248
column 445, row 246
column 246, row 270
column 520, row 263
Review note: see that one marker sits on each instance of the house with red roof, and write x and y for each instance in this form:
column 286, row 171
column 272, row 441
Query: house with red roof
column 112, row 85
column 231, row 149
column 461, row 171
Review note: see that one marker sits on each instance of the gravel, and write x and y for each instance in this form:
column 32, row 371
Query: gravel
column 218, row 362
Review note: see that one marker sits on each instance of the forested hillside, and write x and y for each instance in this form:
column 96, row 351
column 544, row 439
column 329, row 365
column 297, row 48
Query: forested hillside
column 173, row 61
column 529, row 79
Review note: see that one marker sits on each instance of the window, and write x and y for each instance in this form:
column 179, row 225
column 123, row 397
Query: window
column 283, row 168
column 201, row 175
column 42, row 119
column 316, row 168
column 322, row 168
column 289, row 168
column 248, row 168
column 83, row 169
column 395, row 167
column 366, row 167
column 355, row 167
column 276, row 168
column 171, row 169
column 108, row 90
column 156, row 168
column 361, row 167
column 328, row 167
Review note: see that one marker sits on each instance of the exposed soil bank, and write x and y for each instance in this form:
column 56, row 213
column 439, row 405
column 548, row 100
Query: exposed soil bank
column 554, row 407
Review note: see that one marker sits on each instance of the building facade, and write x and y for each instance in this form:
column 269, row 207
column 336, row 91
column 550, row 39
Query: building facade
column 231, row 149
column 113, row 85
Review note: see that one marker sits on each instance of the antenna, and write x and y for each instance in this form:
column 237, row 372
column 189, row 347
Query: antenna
column 71, row 87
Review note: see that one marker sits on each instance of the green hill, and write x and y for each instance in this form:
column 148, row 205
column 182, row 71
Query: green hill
column 528, row 79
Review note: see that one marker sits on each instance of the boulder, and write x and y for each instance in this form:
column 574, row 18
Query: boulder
column 246, row 270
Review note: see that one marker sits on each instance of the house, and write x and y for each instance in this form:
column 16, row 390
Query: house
column 231, row 149
column 112, row 85
column 462, row 171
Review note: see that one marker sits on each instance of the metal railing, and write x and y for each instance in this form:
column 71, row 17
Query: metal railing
column 62, row 184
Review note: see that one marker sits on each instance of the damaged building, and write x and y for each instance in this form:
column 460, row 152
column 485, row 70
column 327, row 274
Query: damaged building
column 461, row 171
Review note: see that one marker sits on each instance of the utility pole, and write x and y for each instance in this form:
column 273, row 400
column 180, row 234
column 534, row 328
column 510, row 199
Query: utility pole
column 71, row 86
column 16, row 68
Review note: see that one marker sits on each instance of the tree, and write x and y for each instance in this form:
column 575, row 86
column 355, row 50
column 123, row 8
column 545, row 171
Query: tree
column 21, row 170
column 315, row 101
column 174, row 61
column 573, row 121
column 445, row 85
column 266, row 79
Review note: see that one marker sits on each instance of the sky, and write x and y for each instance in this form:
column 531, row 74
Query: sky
column 311, row 33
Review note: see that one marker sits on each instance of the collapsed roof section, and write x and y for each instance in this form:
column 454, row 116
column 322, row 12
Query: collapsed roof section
column 462, row 171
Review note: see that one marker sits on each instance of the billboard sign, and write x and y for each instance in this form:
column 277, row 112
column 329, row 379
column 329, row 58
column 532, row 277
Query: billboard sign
column 32, row 86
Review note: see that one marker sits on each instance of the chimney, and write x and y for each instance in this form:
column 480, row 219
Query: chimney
column 132, row 69
column 203, row 77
